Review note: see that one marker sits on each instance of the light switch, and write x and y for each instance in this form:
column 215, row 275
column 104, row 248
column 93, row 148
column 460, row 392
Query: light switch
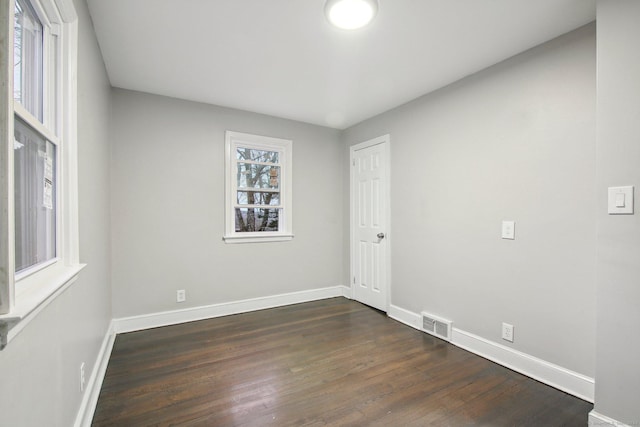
column 508, row 230
column 620, row 200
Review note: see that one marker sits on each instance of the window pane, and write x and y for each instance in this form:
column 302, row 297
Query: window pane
column 256, row 155
column 258, row 176
column 258, row 198
column 27, row 59
column 257, row 219
column 35, row 197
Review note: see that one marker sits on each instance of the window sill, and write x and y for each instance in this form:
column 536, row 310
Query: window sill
column 33, row 293
column 258, row 239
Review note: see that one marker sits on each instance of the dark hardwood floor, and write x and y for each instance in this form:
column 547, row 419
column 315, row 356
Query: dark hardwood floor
column 331, row 362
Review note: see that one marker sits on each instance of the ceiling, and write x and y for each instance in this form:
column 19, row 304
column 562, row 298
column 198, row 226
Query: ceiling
column 282, row 58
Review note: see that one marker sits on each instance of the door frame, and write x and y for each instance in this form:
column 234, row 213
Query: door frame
column 385, row 140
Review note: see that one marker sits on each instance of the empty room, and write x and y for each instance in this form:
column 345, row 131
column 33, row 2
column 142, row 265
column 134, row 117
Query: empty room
column 320, row 212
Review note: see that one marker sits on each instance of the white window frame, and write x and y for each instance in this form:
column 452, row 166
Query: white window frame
column 233, row 140
column 24, row 295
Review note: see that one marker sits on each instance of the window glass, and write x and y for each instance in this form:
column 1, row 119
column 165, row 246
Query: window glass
column 35, row 197
column 258, row 198
column 256, row 155
column 263, row 176
column 258, row 176
column 257, row 219
column 28, row 59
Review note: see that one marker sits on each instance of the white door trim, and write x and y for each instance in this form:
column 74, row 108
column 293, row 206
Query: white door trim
column 386, row 141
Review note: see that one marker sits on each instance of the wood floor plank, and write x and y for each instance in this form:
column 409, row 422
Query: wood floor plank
column 333, row 362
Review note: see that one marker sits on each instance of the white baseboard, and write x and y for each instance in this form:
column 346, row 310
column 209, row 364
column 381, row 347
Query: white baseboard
column 548, row 373
column 347, row 292
column 405, row 316
column 154, row 320
column 92, row 390
column 599, row 420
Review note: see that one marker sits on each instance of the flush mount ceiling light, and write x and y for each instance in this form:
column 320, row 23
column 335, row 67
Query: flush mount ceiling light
column 350, row 14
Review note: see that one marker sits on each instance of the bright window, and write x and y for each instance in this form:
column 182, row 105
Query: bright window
column 35, row 80
column 34, row 163
column 39, row 244
column 28, row 58
column 258, row 188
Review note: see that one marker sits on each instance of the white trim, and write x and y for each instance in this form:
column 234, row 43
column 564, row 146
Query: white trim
column 67, row 10
column 556, row 376
column 405, row 316
column 154, row 320
column 386, row 140
column 598, row 420
column 29, row 271
column 33, row 295
column 42, row 12
column 571, row 382
column 346, row 292
column 92, row 391
column 68, row 210
column 258, row 239
column 7, row 297
column 50, row 13
column 34, row 123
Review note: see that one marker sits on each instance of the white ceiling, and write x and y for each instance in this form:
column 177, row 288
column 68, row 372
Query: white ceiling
column 281, row 57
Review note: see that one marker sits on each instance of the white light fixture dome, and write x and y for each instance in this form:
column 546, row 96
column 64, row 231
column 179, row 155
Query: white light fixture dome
column 350, row 14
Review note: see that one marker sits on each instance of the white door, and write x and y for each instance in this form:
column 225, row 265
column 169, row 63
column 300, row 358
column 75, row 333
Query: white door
column 369, row 222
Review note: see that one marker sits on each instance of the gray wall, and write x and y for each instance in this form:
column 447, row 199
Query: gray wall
column 40, row 368
column 513, row 142
column 168, row 208
column 618, row 148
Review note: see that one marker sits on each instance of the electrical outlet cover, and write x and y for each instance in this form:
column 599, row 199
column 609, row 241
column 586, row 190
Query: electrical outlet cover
column 509, row 230
column 507, row 332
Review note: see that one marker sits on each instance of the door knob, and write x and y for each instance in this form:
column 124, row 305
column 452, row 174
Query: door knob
column 380, row 235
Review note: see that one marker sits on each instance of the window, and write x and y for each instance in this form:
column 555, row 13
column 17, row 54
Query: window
column 39, row 256
column 34, row 162
column 28, row 58
column 35, row 80
column 258, row 188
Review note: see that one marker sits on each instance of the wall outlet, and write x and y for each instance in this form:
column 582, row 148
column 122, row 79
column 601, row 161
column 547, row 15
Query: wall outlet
column 82, row 377
column 509, row 230
column 181, row 295
column 507, row 332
